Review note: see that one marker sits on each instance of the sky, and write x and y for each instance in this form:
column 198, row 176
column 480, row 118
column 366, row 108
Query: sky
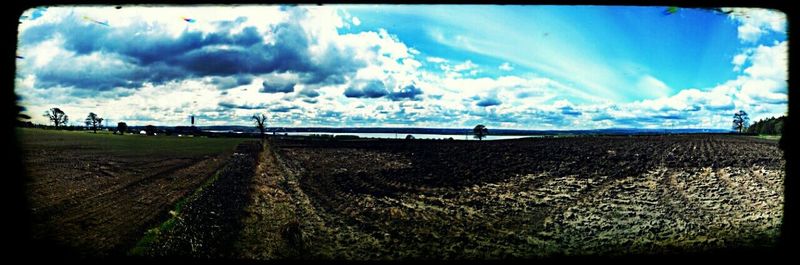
column 444, row 66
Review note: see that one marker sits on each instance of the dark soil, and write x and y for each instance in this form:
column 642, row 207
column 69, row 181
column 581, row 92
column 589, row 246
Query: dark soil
column 388, row 199
column 92, row 205
column 209, row 224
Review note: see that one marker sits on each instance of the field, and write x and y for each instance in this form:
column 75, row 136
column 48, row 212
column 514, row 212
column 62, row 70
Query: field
column 394, row 199
column 515, row 198
column 96, row 194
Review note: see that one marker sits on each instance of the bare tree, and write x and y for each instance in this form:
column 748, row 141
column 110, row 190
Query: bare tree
column 93, row 121
column 740, row 121
column 480, row 131
column 57, row 116
column 260, row 120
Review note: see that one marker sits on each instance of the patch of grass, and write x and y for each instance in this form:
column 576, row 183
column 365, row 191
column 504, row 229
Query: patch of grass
column 768, row 137
column 152, row 235
column 129, row 145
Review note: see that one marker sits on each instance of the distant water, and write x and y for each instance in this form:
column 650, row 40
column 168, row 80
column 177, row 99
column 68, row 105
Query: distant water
column 416, row 135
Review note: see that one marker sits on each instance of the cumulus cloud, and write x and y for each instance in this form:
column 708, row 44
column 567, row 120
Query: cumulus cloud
column 283, row 108
column 738, row 61
column 294, row 63
column 157, row 56
column 372, row 89
column 231, row 81
column 490, row 101
column 277, row 87
column 506, row 67
column 435, row 59
column 411, row 92
column 230, row 105
column 309, row 92
column 769, row 62
column 467, row 65
column 756, row 22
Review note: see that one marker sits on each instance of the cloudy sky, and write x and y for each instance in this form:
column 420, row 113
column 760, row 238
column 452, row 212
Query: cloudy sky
column 531, row 67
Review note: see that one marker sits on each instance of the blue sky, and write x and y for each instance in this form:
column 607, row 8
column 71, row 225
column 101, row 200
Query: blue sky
column 532, row 67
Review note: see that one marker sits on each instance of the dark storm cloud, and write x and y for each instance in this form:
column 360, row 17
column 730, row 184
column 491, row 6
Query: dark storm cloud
column 527, row 94
column 373, row 89
column 567, row 110
column 486, row 102
column 153, row 55
column 408, row 92
column 309, row 92
column 282, row 108
column 231, row 81
column 276, row 87
column 228, row 105
column 602, row 117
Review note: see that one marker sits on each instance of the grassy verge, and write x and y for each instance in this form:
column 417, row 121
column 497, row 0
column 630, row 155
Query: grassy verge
column 152, row 235
column 768, row 137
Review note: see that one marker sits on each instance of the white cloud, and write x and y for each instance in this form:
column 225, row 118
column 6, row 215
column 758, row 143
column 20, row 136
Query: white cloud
column 534, row 102
column 755, row 22
column 770, row 62
column 738, row 61
column 43, row 53
column 468, row 65
column 356, row 21
column 436, row 59
column 651, row 86
column 506, row 67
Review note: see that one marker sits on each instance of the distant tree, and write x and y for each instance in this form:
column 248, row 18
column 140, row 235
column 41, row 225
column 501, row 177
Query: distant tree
column 260, row 119
column 740, row 121
column 93, row 121
column 769, row 126
column 779, row 126
column 122, row 127
column 409, row 137
column 480, row 131
column 57, row 116
column 150, row 129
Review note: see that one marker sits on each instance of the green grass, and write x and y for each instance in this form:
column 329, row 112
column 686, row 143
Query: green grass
column 768, row 137
column 152, row 235
column 126, row 145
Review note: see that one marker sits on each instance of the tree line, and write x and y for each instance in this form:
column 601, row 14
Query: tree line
column 59, row 120
column 773, row 126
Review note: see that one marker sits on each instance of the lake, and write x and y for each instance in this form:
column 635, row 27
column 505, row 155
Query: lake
column 417, row 135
